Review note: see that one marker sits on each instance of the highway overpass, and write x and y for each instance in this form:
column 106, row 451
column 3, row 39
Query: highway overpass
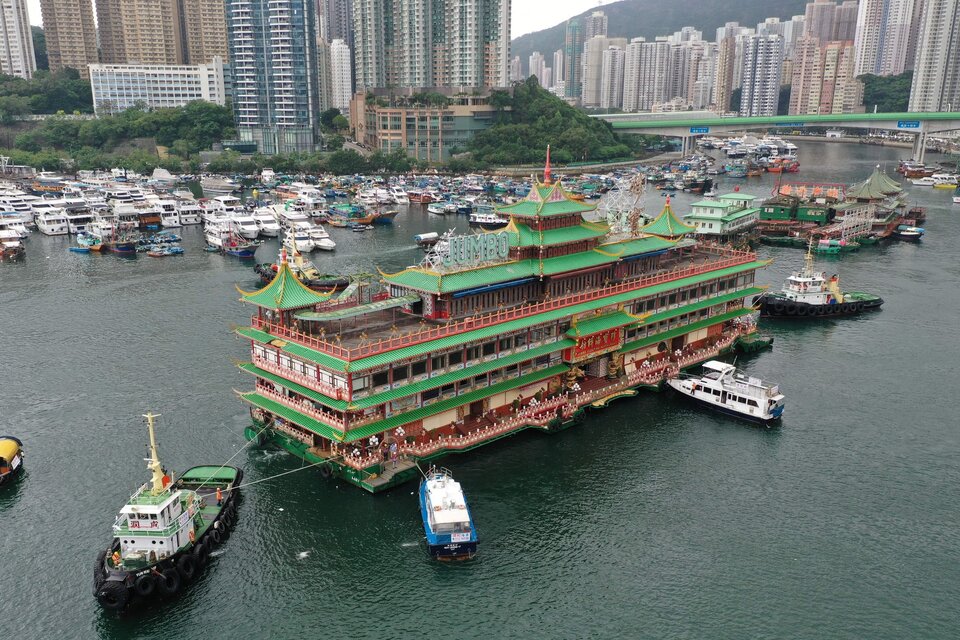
column 689, row 125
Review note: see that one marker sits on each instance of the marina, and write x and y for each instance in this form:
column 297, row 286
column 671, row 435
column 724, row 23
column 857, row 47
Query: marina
column 693, row 485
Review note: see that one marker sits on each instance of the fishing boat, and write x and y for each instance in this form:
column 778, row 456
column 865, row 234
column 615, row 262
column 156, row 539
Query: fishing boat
column 228, row 242
column 385, row 217
column 11, row 458
column 165, row 533
column 956, row 196
column 446, row 517
column 11, row 247
column 118, row 237
column 810, row 294
column 721, row 388
column 305, row 271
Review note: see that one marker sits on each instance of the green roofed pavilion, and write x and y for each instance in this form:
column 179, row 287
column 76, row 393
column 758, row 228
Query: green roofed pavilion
column 667, row 224
column 877, row 187
column 546, row 200
column 284, row 292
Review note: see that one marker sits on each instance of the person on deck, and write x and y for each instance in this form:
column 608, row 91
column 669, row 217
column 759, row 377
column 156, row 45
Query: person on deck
column 219, row 497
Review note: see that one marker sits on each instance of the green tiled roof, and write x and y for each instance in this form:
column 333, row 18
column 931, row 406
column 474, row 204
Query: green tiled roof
column 357, row 310
column 504, row 327
column 292, row 415
column 713, row 203
column 703, row 304
column 435, row 282
column 876, row 187
column 637, row 246
column 737, row 196
column 572, row 262
column 601, row 323
column 667, row 225
column 285, row 292
column 523, row 236
column 545, row 200
column 450, row 403
column 687, row 328
column 340, row 405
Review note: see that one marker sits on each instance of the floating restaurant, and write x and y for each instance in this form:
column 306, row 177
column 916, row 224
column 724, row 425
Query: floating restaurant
column 492, row 334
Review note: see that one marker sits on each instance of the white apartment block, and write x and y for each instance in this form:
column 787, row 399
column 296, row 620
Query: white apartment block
column 883, row 36
column 936, row 77
column 341, row 76
column 16, row 47
column 760, row 84
column 645, row 74
column 611, row 83
column 117, row 87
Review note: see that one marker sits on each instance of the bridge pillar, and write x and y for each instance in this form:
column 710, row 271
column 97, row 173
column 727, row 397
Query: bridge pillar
column 920, row 146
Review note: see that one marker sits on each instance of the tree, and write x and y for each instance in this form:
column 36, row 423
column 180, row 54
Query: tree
column 340, row 123
column 888, row 94
column 783, row 101
column 347, row 162
column 736, row 97
column 327, row 117
column 334, row 143
column 40, row 47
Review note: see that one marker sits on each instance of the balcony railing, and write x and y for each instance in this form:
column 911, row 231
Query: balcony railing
column 300, row 378
column 305, row 407
column 381, row 345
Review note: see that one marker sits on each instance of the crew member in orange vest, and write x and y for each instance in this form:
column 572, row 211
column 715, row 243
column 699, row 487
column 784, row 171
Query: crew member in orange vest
column 219, row 497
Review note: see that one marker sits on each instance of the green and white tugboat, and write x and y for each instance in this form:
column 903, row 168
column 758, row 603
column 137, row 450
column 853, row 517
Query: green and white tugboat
column 165, row 532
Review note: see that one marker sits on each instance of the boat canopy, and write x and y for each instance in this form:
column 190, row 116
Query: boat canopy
column 359, row 310
column 9, row 448
column 716, row 365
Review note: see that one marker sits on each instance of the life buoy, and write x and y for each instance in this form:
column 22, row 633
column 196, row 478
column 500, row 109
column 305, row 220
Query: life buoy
column 145, row 585
column 187, row 566
column 192, row 535
column 169, row 583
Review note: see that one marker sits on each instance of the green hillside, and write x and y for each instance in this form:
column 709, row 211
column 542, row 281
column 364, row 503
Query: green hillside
column 651, row 18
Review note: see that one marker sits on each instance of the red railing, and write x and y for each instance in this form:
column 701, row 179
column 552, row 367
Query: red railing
column 299, row 378
column 305, row 407
column 423, row 335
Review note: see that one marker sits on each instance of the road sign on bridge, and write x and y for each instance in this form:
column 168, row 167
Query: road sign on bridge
column 908, row 124
column 699, row 129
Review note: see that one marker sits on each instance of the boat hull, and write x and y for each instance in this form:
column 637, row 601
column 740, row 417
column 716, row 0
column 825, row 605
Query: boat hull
column 443, row 546
column 453, row 550
column 772, row 307
column 116, row 589
column 15, row 463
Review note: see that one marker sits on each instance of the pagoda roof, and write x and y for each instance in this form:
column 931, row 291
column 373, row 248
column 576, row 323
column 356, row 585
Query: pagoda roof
column 522, row 235
column 667, row 224
column 546, row 200
column 284, row 292
column 877, row 187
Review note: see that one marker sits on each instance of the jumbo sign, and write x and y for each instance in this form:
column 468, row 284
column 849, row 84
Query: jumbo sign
column 468, row 251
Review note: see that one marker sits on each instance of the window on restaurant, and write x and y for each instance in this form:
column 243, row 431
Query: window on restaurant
column 490, row 348
column 401, row 373
column 418, row 368
column 455, row 357
column 380, row 378
column 438, row 363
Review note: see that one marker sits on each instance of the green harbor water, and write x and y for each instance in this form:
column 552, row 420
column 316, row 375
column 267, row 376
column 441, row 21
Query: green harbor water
column 650, row 520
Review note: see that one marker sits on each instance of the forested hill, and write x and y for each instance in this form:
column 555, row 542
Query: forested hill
column 651, row 18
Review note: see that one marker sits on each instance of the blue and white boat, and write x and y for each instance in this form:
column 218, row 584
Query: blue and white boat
column 723, row 389
column 446, row 517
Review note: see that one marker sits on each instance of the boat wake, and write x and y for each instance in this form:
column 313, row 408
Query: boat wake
column 303, row 555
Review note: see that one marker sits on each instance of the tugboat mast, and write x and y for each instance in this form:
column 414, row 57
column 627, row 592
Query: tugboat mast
column 153, row 462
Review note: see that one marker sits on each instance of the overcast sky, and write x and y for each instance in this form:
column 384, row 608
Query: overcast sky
column 528, row 15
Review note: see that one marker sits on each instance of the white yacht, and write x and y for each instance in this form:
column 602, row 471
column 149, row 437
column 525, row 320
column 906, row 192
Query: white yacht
column 169, row 215
column 926, row 181
column 218, row 186
column 14, row 221
column 266, row 222
column 11, row 248
column 725, row 390
column 298, row 239
column 245, row 225
column 225, row 204
column 399, row 195
column 287, row 217
column 318, row 235
column 52, row 223
column 78, row 219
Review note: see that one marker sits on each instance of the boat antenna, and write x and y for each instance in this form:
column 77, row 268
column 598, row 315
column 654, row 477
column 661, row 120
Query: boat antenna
column 153, row 462
column 808, row 259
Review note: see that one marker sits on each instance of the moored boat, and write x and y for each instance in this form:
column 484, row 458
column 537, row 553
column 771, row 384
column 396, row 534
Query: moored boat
column 488, row 221
column 11, row 458
column 721, row 388
column 908, row 233
column 165, row 532
column 810, row 294
column 956, row 196
column 446, row 518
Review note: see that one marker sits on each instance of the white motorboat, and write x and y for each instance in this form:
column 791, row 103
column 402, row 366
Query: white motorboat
column 189, row 212
column 298, row 239
column 723, row 389
column 14, row 221
column 218, row 186
column 926, row 181
column 399, row 195
column 245, row 225
column 78, row 220
column 52, row 223
column 266, row 222
column 11, row 248
column 169, row 216
column 488, row 220
column 321, row 239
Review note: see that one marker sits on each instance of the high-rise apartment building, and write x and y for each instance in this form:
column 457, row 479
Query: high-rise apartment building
column 336, row 20
column 204, row 31
column 883, row 36
column 645, row 74
column 117, row 87
column 823, row 78
column 341, row 76
column 558, row 68
column 71, row 34
column 595, row 25
column 140, row 31
column 516, row 69
column 273, row 54
column 573, row 57
column 16, row 40
column 936, row 77
column 536, row 65
column 723, row 76
column 432, row 43
column 845, row 20
column 760, row 84
column 611, row 83
column 594, row 50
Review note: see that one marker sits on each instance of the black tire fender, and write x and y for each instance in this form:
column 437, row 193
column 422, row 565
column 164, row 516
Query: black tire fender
column 326, row 470
column 145, row 585
column 790, row 309
column 778, row 307
column 215, row 536
column 169, row 583
column 201, row 554
column 113, row 595
column 187, row 566
column 802, row 310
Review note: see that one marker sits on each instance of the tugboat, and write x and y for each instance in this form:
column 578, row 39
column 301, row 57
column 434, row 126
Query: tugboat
column 810, row 294
column 723, row 389
column 165, row 532
column 446, row 517
column 11, row 458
